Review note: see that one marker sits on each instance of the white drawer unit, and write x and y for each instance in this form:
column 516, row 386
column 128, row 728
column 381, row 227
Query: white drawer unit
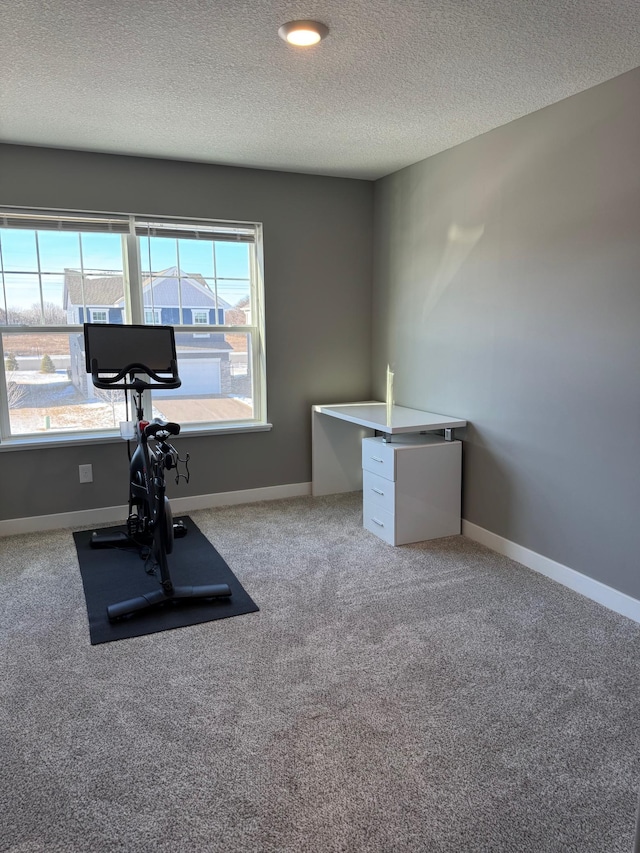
column 411, row 487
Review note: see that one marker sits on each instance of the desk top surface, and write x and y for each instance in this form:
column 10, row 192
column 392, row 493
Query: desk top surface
column 373, row 414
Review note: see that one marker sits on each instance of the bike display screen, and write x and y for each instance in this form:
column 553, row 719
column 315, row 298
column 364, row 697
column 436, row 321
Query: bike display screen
column 115, row 346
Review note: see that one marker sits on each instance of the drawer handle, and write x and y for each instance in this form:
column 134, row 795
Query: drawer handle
column 377, row 491
column 377, row 459
column 379, row 523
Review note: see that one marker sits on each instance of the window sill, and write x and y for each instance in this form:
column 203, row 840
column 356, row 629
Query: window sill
column 68, row 440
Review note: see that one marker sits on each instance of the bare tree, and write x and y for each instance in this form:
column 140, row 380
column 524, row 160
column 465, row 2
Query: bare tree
column 49, row 314
column 112, row 397
column 16, row 316
column 16, row 392
column 237, row 316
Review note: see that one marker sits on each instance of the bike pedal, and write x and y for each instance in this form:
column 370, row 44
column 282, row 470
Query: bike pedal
column 179, row 529
column 109, row 540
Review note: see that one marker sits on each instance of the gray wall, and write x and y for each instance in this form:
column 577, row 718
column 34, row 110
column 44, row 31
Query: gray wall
column 507, row 292
column 317, row 245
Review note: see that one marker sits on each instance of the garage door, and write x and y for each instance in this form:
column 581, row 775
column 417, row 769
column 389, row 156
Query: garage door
column 200, row 377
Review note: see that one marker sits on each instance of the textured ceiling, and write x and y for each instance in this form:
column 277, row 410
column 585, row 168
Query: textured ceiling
column 211, row 81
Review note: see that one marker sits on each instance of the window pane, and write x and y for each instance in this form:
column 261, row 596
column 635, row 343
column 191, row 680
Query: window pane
column 236, row 295
column 58, row 250
column 22, row 299
column 22, row 294
column 199, row 299
column 96, row 289
column 216, row 380
column 158, row 254
column 178, row 298
column 234, row 285
column 101, row 252
column 18, row 250
column 196, row 256
column 48, row 389
column 232, row 260
column 53, row 300
column 160, row 288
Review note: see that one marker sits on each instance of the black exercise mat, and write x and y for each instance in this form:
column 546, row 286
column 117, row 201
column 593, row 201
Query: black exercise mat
column 110, row 575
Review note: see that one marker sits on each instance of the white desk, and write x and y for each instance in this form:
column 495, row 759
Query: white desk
column 336, row 439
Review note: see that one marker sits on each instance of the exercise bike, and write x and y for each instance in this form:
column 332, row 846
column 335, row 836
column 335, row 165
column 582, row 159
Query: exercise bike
column 149, row 357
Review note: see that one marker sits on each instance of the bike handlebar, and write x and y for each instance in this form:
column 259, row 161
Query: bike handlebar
column 119, row 381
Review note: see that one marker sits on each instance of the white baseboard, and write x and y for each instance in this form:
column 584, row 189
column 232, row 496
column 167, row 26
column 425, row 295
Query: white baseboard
column 179, row 506
column 245, row 496
column 612, row 598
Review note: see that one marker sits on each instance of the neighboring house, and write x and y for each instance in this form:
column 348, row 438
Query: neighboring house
column 171, row 297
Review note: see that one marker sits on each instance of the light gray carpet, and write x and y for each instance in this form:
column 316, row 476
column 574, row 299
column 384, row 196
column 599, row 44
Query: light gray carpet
column 434, row 697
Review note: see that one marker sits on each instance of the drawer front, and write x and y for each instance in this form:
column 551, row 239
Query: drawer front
column 378, row 458
column 379, row 491
column 379, row 521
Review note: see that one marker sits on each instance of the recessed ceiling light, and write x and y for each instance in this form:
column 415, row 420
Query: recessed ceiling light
column 303, row 33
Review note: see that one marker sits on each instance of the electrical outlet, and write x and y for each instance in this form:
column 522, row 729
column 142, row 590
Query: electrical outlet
column 86, row 473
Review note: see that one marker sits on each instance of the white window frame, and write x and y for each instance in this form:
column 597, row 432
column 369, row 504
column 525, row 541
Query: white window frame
column 134, row 313
column 98, row 311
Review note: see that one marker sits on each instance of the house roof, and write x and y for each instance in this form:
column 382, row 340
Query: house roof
column 109, row 290
column 99, row 290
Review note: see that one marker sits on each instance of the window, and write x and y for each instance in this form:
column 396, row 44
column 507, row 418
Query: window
column 59, row 270
column 200, row 318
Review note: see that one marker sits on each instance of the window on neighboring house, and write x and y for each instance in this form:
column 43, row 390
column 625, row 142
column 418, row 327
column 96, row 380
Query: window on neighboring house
column 200, row 318
column 59, row 270
column 152, row 316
